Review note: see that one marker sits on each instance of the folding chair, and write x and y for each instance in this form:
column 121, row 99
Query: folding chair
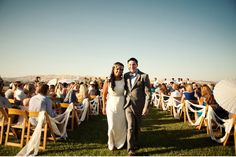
column 15, row 127
column 175, row 107
column 157, row 100
column 203, row 121
column 45, row 128
column 12, row 101
column 73, row 116
column 3, row 122
column 94, row 106
column 185, row 109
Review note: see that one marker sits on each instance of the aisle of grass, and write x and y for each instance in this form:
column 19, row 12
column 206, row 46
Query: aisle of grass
column 160, row 135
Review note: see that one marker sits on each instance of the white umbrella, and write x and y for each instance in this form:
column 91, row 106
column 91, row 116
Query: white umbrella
column 52, row 82
column 225, row 94
column 68, row 81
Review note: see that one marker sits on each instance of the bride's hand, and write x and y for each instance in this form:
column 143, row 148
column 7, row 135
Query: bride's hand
column 104, row 111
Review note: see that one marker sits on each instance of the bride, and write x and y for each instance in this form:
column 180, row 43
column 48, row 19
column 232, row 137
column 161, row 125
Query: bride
column 113, row 102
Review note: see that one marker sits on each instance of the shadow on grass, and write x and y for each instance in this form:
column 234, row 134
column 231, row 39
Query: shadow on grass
column 176, row 137
column 92, row 131
column 72, row 149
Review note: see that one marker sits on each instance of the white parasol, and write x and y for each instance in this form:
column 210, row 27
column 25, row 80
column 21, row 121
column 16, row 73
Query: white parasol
column 68, row 81
column 225, row 94
column 52, row 82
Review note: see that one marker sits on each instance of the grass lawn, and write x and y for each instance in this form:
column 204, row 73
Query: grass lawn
column 160, row 135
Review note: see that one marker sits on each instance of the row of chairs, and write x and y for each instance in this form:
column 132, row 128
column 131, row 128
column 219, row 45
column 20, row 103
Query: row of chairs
column 178, row 109
column 23, row 130
column 162, row 101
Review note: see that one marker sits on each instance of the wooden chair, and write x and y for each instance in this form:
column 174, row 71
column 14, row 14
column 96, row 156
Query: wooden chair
column 3, row 122
column 203, row 120
column 184, row 109
column 175, row 105
column 156, row 100
column 12, row 101
column 45, row 129
column 80, row 111
column 228, row 134
column 73, row 116
column 94, row 106
column 13, row 128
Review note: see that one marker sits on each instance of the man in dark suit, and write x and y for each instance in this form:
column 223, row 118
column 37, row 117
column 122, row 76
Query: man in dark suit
column 138, row 97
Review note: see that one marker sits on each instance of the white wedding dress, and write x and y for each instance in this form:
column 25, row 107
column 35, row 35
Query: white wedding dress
column 116, row 116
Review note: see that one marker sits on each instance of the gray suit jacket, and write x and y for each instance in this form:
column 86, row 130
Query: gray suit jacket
column 139, row 95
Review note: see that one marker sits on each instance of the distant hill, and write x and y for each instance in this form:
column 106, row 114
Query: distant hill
column 45, row 78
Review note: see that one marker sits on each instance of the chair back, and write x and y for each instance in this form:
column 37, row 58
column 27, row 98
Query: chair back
column 15, row 128
column 44, row 130
column 3, row 120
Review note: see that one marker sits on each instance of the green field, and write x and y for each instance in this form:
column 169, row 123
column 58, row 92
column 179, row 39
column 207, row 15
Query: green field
column 161, row 135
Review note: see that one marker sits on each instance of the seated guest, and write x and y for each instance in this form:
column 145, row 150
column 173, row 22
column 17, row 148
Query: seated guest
column 83, row 93
column 175, row 92
column 163, row 89
column 52, row 94
column 29, row 90
column 41, row 102
column 93, row 91
column 19, row 94
column 4, row 103
column 9, row 94
column 189, row 94
column 59, row 93
column 64, row 89
column 71, row 95
column 197, row 89
column 206, row 97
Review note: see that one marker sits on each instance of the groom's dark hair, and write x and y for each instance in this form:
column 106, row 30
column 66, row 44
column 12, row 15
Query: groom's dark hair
column 133, row 59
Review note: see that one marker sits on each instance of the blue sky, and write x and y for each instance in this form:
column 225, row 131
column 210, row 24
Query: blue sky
column 170, row 38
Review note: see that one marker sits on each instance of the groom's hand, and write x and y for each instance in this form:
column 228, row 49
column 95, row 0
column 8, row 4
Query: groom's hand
column 145, row 111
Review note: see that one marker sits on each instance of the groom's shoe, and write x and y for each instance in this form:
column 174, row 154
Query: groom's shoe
column 136, row 148
column 131, row 153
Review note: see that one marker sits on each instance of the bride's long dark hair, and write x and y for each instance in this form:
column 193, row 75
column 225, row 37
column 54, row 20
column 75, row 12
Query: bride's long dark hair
column 112, row 76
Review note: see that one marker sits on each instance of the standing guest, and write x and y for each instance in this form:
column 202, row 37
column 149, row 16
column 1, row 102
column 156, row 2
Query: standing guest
column 37, row 79
column 138, row 99
column 155, row 83
column 113, row 103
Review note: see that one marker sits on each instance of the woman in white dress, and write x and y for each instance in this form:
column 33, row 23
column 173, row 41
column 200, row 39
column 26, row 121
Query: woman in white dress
column 113, row 103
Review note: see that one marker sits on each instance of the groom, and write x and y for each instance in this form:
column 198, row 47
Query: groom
column 137, row 85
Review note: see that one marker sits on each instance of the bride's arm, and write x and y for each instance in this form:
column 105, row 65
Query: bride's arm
column 104, row 96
